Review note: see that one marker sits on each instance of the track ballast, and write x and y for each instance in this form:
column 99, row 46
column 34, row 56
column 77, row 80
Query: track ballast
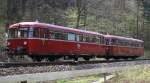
column 32, row 64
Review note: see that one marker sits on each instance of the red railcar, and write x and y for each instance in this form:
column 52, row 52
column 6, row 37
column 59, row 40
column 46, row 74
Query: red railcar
column 40, row 40
column 122, row 47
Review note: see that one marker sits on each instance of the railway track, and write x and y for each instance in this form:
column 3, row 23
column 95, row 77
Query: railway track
column 32, row 64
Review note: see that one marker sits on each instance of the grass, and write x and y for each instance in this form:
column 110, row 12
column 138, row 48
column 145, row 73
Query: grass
column 147, row 54
column 2, row 26
column 88, row 79
column 2, row 30
column 137, row 75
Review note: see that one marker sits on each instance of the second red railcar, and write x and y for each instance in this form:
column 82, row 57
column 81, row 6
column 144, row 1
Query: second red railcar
column 122, row 47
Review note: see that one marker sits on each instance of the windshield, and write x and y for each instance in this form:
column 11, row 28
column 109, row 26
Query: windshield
column 18, row 33
column 23, row 32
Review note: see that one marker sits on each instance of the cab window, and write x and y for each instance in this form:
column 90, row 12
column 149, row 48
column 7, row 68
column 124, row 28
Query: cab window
column 18, row 32
column 23, row 32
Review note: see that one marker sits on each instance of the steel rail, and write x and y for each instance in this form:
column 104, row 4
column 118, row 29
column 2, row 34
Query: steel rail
column 29, row 64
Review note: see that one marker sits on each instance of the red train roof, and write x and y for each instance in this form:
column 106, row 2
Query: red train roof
column 72, row 30
column 125, row 38
column 55, row 27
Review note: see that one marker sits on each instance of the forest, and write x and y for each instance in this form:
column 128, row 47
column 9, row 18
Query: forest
column 129, row 18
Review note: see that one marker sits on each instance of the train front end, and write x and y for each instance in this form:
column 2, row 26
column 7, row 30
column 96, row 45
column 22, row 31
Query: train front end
column 17, row 42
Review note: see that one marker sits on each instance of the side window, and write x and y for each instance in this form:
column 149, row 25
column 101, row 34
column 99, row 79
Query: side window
column 93, row 39
column 16, row 33
column 77, row 37
column 98, row 40
column 107, row 42
column 132, row 44
column 122, row 43
column 58, row 35
column 46, row 35
column 113, row 41
column 23, row 32
column 102, row 40
column 51, row 34
column 84, row 38
column 137, row 44
column 87, row 39
column 81, row 38
column 30, row 32
column 34, row 32
column 64, row 36
column 71, row 36
column 141, row 44
column 127, row 43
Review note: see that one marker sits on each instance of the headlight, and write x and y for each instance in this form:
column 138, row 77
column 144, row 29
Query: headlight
column 25, row 43
column 8, row 43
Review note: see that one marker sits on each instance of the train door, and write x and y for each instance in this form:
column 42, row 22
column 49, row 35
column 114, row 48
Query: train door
column 44, row 40
column 46, row 37
column 78, row 45
column 72, row 37
column 108, row 46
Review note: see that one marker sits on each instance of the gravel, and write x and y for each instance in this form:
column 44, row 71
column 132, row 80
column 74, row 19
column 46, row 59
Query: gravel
column 37, row 69
column 115, row 64
column 41, row 69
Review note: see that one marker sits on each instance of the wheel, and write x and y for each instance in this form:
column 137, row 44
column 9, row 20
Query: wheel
column 125, row 58
column 133, row 58
column 75, row 59
column 35, row 58
column 116, row 58
column 38, row 59
column 107, row 58
column 51, row 59
column 86, row 58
